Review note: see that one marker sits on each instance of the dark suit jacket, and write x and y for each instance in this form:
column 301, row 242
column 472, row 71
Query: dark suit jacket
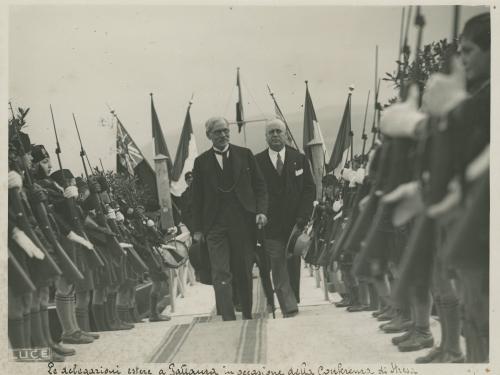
column 295, row 200
column 250, row 187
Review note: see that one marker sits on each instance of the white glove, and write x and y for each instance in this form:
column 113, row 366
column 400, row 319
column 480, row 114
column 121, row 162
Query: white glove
column 359, row 175
column 26, row 244
column 346, row 174
column 71, row 192
column 479, row 165
column 150, row 223
column 111, row 215
column 445, row 91
column 337, row 205
column 402, row 191
column 72, row 236
column 401, row 119
column 362, row 203
column 15, row 180
column 451, row 200
column 119, row 216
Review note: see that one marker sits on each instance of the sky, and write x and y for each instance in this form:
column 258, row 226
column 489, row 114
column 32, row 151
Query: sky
column 82, row 59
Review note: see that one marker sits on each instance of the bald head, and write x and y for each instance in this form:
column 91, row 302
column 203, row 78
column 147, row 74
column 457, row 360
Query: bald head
column 276, row 134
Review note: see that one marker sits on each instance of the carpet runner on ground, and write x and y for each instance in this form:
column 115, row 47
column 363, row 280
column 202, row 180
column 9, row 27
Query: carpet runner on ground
column 214, row 341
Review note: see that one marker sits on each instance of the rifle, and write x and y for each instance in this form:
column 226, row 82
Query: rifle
column 115, row 247
column 399, row 165
column 49, row 267
column 364, row 137
column 91, row 255
column 18, row 278
column 422, row 241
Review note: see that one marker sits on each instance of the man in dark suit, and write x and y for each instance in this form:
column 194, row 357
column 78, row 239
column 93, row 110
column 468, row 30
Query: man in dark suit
column 291, row 192
column 229, row 200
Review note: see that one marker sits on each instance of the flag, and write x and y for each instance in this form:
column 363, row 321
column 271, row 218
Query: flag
column 160, row 146
column 184, row 157
column 340, row 151
column 240, row 118
column 312, row 130
column 131, row 162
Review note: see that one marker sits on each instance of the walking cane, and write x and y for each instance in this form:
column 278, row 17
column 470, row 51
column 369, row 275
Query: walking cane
column 263, row 263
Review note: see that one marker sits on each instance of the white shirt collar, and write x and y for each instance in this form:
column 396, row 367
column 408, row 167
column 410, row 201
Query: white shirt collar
column 273, row 155
column 225, row 149
column 218, row 157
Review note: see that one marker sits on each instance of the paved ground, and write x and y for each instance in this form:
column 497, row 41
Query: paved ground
column 321, row 333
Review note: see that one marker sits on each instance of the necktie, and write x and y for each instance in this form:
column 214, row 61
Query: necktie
column 279, row 164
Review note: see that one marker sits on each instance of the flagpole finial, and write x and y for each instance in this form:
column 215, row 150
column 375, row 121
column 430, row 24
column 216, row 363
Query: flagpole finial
column 151, row 94
column 351, row 89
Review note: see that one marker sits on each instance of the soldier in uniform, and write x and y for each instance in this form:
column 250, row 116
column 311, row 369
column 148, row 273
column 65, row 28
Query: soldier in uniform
column 70, row 241
column 463, row 98
column 34, row 326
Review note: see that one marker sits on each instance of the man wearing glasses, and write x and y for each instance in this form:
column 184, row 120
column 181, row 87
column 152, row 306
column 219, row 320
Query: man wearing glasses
column 229, row 202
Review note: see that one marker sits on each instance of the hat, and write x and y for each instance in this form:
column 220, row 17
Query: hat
column 38, row 152
column 21, row 142
column 199, row 259
column 62, row 176
column 80, row 182
column 299, row 242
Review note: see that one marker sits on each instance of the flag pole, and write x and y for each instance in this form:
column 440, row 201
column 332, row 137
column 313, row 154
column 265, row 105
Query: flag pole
column 364, row 137
column 282, row 117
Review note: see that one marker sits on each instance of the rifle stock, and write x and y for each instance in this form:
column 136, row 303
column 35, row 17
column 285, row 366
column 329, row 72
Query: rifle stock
column 416, row 262
column 69, row 269
column 48, row 267
column 18, row 278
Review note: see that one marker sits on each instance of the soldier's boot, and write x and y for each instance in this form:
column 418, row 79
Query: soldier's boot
column 400, row 323
column 76, row 337
column 388, row 315
column 98, row 314
column 433, row 356
column 452, row 323
column 114, row 324
column 56, row 347
column 122, row 313
column 405, row 336
column 83, row 321
column 355, row 300
column 154, row 315
column 421, row 339
column 374, row 298
column 38, row 337
column 382, row 310
column 114, row 311
column 16, row 333
column 134, row 315
column 345, row 301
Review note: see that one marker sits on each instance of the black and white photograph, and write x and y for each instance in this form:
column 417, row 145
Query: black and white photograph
column 248, row 188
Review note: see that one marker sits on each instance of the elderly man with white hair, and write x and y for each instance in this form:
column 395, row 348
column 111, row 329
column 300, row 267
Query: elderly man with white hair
column 229, row 202
column 291, row 191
